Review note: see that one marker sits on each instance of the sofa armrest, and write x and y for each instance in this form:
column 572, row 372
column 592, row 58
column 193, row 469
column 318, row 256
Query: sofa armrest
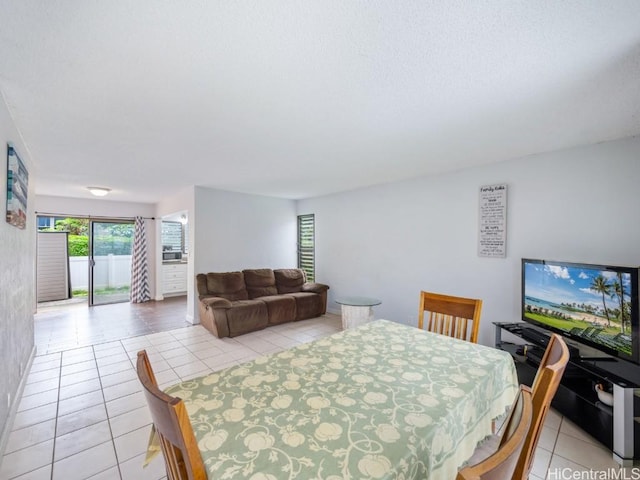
column 315, row 287
column 215, row 302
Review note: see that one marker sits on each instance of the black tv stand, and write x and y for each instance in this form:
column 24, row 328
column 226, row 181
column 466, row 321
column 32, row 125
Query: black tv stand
column 533, row 335
column 576, row 398
column 598, row 359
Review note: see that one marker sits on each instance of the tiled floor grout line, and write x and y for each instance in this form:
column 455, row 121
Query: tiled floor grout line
column 55, row 428
column 555, row 442
column 104, row 401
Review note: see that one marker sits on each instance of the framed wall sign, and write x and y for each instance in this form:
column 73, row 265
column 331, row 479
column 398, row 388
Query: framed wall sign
column 17, row 189
column 492, row 235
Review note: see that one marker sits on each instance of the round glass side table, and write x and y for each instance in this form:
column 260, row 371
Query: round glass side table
column 356, row 311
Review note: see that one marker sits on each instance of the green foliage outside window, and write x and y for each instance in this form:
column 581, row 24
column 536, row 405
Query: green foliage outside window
column 118, row 243
column 110, row 244
column 75, row 226
column 78, row 245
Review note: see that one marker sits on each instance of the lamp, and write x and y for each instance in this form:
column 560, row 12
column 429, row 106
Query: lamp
column 99, row 191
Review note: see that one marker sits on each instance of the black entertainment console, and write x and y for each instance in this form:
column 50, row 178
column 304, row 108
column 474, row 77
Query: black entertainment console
column 576, row 399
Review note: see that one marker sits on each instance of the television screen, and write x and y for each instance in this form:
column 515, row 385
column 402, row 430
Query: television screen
column 594, row 304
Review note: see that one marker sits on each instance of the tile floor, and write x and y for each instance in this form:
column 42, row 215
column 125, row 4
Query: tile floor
column 66, row 325
column 83, row 415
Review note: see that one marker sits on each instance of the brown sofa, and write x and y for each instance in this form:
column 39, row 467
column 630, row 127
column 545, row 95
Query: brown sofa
column 234, row 303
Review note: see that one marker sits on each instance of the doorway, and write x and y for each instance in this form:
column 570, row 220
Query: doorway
column 99, row 258
column 110, row 261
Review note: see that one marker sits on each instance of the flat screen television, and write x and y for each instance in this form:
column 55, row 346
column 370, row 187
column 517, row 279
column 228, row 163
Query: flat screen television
column 595, row 305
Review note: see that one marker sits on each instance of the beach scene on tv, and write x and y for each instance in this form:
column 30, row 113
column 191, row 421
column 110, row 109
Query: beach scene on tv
column 590, row 303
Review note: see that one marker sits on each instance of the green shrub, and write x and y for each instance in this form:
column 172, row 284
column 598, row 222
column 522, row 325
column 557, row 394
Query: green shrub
column 106, row 244
column 78, row 245
column 75, row 226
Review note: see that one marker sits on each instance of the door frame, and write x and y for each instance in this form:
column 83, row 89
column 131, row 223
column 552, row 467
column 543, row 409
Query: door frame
column 91, row 258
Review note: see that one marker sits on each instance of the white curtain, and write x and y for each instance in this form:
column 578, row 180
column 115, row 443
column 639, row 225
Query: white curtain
column 139, row 270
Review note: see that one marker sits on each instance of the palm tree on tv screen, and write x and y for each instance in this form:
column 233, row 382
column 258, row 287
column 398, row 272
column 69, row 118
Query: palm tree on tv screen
column 600, row 285
column 618, row 291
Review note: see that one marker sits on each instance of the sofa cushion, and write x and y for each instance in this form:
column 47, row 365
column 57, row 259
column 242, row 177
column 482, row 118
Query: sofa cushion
column 247, row 316
column 308, row 305
column 260, row 282
column 289, row 280
column 281, row 308
column 229, row 285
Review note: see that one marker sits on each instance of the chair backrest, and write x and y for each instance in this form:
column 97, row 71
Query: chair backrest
column 172, row 426
column 545, row 385
column 450, row 315
column 502, row 464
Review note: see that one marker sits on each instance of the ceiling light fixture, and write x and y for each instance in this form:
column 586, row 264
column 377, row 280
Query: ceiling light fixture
column 99, row 191
column 183, row 219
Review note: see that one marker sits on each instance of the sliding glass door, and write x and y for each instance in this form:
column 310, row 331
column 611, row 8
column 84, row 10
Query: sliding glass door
column 110, row 261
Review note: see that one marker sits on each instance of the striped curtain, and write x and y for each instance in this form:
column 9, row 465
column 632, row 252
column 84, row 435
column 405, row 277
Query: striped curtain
column 139, row 271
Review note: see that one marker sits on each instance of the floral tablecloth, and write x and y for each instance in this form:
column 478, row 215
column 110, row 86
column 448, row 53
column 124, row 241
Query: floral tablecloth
column 380, row 401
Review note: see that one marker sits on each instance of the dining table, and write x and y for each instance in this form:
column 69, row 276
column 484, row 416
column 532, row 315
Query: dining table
column 381, row 401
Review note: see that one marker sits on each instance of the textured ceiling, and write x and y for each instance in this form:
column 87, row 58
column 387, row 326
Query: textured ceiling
column 304, row 98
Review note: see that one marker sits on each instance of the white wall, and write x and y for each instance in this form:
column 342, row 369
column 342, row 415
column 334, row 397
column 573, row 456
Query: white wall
column 179, row 201
column 46, row 204
column 58, row 206
column 233, row 231
column 394, row 240
column 17, row 281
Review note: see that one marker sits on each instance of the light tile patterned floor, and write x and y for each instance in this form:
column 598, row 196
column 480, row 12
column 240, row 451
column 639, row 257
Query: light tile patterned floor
column 83, row 415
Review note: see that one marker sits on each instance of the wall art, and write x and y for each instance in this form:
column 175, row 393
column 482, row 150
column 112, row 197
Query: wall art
column 17, row 189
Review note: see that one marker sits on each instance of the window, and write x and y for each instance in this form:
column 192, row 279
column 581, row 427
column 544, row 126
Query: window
column 306, row 245
column 47, row 223
column 172, row 236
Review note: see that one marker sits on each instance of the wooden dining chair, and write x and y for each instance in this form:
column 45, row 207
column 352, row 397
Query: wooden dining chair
column 172, row 426
column 501, row 464
column 545, row 385
column 449, row 315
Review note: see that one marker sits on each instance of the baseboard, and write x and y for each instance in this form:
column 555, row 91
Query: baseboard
column 8, row 426
column 174, row 294
column 192, row 319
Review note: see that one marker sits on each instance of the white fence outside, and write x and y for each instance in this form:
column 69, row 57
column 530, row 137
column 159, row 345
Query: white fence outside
column 110, row 271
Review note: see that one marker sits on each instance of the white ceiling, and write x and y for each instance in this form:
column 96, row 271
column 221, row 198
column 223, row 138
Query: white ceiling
column 303, row 98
